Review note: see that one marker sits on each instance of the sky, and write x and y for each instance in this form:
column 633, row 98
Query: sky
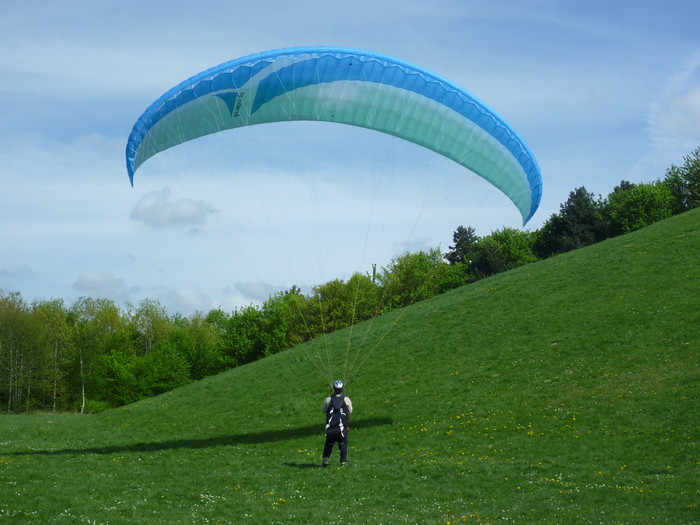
column 601, row 91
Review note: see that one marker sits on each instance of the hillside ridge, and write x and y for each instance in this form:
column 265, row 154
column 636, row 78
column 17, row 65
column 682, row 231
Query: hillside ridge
column 562, row 391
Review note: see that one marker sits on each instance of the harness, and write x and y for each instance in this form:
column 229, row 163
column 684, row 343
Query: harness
column 337, row 422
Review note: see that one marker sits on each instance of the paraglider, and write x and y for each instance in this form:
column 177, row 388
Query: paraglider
column 347, row 86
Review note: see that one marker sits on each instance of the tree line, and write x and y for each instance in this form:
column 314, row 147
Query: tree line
column 92, row 354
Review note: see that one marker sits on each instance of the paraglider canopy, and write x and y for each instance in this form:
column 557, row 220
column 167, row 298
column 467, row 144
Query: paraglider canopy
column 347, row 86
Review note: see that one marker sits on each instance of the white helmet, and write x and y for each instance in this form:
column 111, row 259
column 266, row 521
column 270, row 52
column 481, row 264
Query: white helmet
column 338, row 386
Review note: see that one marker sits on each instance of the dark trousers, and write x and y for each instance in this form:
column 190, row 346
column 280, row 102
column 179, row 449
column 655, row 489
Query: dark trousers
column 342, row 445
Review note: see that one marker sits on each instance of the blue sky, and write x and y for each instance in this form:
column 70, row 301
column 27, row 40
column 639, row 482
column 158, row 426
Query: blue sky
column 600, row 92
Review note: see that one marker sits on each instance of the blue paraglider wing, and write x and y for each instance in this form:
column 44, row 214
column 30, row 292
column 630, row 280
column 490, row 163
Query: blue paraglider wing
column 347, row 86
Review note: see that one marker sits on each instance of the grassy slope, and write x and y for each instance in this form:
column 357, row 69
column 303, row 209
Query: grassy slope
column 564, row 391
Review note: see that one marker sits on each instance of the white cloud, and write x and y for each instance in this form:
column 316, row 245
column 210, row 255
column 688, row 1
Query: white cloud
column 673, row 119
column 422, row 244
column 185, row 302
column 18, row 271
column 188, row 301
column 677, row 112
column 103, row 284
column 256, row 292
column 681, row 117
column 157, row 211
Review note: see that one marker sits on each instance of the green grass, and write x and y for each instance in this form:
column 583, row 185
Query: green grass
column 565, row 391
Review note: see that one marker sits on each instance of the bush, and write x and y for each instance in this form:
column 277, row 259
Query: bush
column 632, row 206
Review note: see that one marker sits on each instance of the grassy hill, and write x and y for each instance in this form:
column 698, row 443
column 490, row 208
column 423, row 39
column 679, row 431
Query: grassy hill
column 565, row 391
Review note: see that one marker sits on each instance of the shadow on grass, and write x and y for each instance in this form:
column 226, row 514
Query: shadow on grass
column 302, row 465
column 318, row 464
column 253, row 438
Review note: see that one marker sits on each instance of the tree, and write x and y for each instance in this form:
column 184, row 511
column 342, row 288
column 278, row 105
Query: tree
column 684, row 182
column 200, row 343
column 17, row 342
column 411, row 277
column 332, row 306
column 120, row 381
column 464, row 240
column 161, row 370
column 632, row 206
column 150, row 325
column 365, row 295
column 502, row 250
column 285, row 321
column 53, row 335
column 242, row 339
column 579, row 223
column 93, row 321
